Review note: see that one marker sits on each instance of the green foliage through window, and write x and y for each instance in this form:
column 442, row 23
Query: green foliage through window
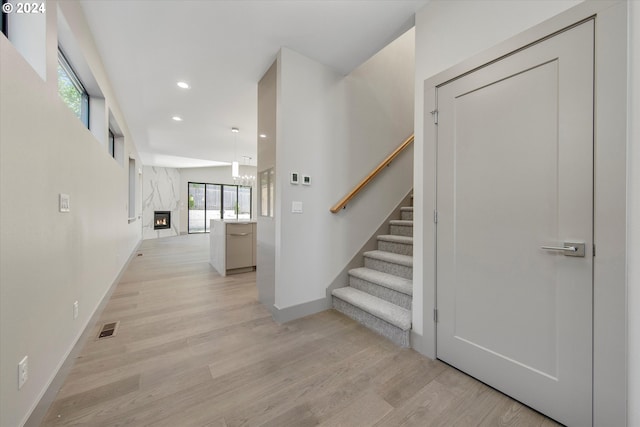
column 71, row 90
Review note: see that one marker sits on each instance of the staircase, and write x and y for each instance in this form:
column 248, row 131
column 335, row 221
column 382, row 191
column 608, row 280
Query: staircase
column 379, row 294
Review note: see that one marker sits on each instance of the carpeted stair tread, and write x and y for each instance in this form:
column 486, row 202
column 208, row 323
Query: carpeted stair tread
column 390, row 281
column 403, row 222
column 382, row 309
column 407, row 240
column 405, row 260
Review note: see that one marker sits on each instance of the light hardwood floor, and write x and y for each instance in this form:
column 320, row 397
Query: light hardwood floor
column 197, row 349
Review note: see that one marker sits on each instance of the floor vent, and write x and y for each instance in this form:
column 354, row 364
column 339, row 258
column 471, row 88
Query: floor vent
column 108, row 330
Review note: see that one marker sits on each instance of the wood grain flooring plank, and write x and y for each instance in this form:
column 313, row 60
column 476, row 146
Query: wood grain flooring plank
column 61, row 408
column 123, row 360
column 79, row 383
column 471, row 409
column 548, row 422
column 364, row 411
column 508, row 413
column 323, row 387
column 423, row 408
column 152, row 390
column 298, row 416
column 217, row 423
column 408, row 382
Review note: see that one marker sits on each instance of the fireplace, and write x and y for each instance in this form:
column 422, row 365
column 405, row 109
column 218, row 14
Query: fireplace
column 161, row 220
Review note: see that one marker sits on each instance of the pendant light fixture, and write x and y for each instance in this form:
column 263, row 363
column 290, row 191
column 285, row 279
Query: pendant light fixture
column 235, row 167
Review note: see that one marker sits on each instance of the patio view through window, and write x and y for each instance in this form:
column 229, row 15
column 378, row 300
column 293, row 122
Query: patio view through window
column 216, row 201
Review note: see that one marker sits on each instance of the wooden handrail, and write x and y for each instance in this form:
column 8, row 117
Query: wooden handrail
column 343, row 202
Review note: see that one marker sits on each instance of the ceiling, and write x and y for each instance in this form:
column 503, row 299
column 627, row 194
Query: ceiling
column 221, row 48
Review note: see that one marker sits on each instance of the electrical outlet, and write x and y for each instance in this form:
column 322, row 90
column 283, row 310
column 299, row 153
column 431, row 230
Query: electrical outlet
column 23, row 372
column 75, row 310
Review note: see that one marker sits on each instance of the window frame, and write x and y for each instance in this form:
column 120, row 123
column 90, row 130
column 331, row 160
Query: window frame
column 112, row 143
column 132, row 190
column 4, row 21
column 75, row 80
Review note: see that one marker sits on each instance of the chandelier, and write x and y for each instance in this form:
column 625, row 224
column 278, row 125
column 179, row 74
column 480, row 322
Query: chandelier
column 245, row 180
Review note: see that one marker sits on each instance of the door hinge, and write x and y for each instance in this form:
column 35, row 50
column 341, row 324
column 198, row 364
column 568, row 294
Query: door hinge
column 594, row 250
column 435, row 315
column 434, row 113
column 435, row 217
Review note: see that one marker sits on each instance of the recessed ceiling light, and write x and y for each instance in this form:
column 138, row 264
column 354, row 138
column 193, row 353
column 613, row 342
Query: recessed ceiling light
column 183, row 85
column 235, row 130
column 263, row 135
column 177, row 118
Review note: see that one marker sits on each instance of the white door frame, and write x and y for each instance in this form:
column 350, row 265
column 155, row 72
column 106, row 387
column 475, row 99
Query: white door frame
column 610, row 121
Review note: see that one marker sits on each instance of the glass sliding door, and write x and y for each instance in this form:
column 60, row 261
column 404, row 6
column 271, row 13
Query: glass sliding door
column 213, row 204
column 216, row 201
column 196, row 207
column 244, row 203
column 230, row 201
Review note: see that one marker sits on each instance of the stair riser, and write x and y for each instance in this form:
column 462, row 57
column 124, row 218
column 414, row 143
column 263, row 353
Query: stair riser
column 396, row 248
column 389, row 267
column 389, row 331
column 401, row 230
column 408, row 215
column 395, row 297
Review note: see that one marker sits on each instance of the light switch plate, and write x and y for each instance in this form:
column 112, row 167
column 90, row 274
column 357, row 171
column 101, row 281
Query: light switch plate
column 306, row 180
column 294, row 177
column 296, row 207
column 64, row 203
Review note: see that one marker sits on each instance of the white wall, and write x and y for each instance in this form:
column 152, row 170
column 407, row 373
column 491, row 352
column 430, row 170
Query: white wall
column 49, row 259
column 160, row 192
column 337, row 129
column 211, row 175
column 309, row 125
column 633, row 218
column 27, row 32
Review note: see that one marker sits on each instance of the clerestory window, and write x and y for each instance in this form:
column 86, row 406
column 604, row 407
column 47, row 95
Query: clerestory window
column 71, row 90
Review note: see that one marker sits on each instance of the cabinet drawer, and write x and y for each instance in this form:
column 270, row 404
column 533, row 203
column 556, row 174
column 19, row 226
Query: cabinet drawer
column 239, row 229
column 239, row 251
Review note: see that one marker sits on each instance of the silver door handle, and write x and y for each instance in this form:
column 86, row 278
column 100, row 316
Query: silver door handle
column 558, row 248
column 569, row 249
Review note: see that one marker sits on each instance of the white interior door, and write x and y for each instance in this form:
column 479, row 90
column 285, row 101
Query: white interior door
column 515, row 173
